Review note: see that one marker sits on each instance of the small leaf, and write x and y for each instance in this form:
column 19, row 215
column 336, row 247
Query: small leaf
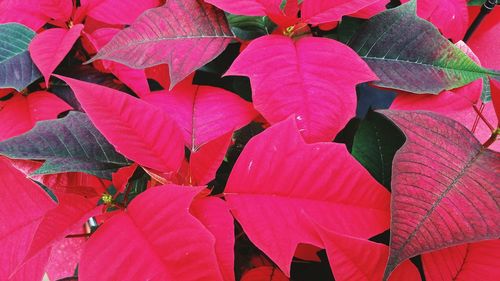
column 16, row 67
column 248, row 28
column 70, row 144
column 159, row 36
column 408, row 53
column 444, row 187
column 49, row 48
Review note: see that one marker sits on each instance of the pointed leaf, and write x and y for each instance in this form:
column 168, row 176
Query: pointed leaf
column 16, row 67
column 49, row 48
column 23, row 205
column 357, row 259
column 408, row 53
column 118, row 11
column 247, row 7
column 264, row 273
column 375, row 143
column 203, row 163
column 444, row 187
column 322, row 11
column 163, row 241
column 139, row 131
column 278, row 177
column 158, row 36
column 20, row 113
column 69, row 144
column 204, row 113
column 25, row 12
column 475, row 261
column 307, row 79
column 214, row 214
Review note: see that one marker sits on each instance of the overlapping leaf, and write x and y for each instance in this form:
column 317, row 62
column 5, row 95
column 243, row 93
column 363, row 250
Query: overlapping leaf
column 16, row 67
column 118, row 11
column 68, row 145
column 138, row 130
column 472, row 261
column 409, row 53
column 444, row 187
column 204, row 113
column 186, row 34
column 278, row 177
column 323, row 11
column 313, row 78
column 155, row 238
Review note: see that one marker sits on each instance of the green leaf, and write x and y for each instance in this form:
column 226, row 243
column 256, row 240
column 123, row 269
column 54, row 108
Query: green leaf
column 16, row 67
column 475, row 2
column 70, row 144
column 375, row 143
column 486, row 92
column 248, row 28
column 408, row 53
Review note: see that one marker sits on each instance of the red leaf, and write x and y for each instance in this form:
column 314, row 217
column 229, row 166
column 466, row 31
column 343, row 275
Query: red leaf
column 450, row 16
column 136, row 129
column 484, row 40
column 154, row 239
column 121, row 177
column 444, row 187
column 118, row 11
column 203, row 164
column 64, row 257
column 214, row 214
column 313, row 78
column 358, row 259
column 495, row 98
column 50, row 47
column 23, row 206
column 56, row 9
column 71, row 211
column 158, row 36
column 20, row 113
column 278, row 177
column 264, row 273
column 33, row 270
column 26, row 12
column 322, row 11
column 476, row 261
column 247, row 7
column 204, row 113
column 369, row 11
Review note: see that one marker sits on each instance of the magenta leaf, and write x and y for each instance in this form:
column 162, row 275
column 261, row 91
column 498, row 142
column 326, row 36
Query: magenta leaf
column 159, row 36
column 118, row 11
column 323, row 11
column 204, row 113
column 444, row 187
column 312, row 78
column 154, row 239
column 278, row 177
column 138, row 130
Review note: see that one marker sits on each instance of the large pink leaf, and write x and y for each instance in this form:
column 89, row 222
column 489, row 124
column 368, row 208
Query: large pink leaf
column 32, row 270
column 214, row 214
column 444, row 187
column 57, row 9
column 64, row 257
column 323, row 11
column 204, row 113
column 26, row 12
column 353, row 258
column 278, row 177
column 158, row 36
column 495, row 98
column 450, row 16
column 313, row 78
column 118, row 11
column 23, row 205
column 72, row 210
column 20, row 113
column 136, row 129
column 475, row 261
column 154, row 239
column 50, row 47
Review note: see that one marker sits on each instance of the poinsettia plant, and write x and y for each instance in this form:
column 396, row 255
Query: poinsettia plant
column 249, row 140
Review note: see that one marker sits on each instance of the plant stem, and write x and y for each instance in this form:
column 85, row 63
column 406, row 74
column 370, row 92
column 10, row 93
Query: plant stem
column 487, row 7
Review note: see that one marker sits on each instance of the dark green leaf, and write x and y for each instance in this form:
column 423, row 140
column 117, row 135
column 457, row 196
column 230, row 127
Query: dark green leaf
column 248, row 28
column 375, row 144
column 70, row 144
column 408, row 53
column 16, row 67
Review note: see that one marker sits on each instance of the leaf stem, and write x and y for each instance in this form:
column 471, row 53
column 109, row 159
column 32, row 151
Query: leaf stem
column 487, row 7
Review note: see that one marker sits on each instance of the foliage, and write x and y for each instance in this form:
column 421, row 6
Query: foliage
column 248, row 140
